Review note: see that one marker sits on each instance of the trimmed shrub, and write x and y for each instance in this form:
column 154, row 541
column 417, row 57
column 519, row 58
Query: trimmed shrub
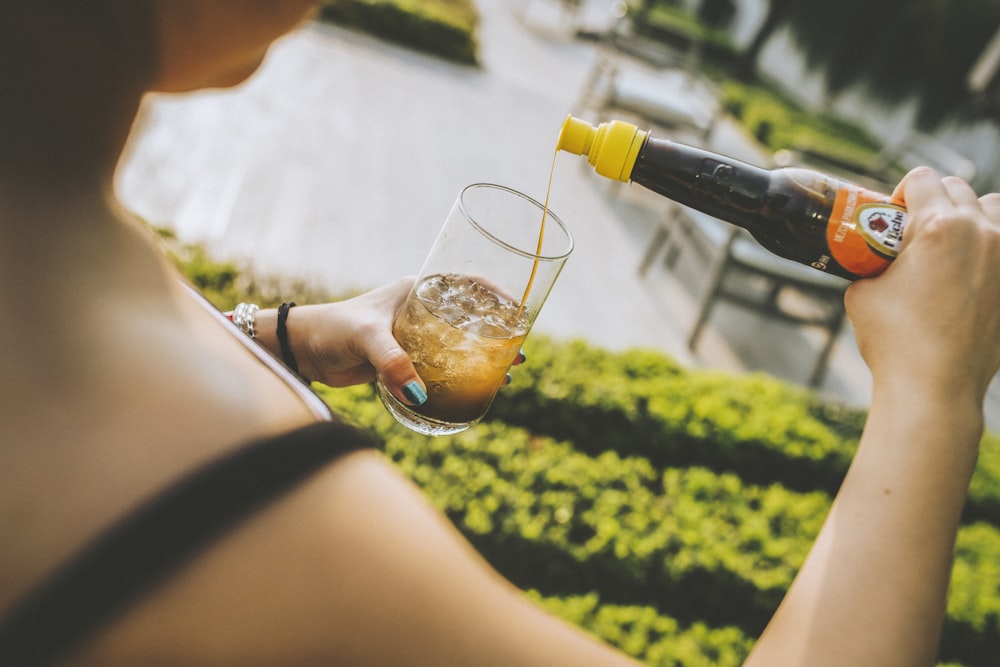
column 699, row 546
column 649, row 636
column 445, row 28
column 642, row 402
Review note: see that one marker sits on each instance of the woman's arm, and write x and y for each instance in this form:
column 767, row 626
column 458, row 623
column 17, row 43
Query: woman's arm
column 347, row 342
column 873, row 589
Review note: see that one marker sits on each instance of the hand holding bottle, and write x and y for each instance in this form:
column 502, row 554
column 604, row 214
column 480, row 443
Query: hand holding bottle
column 929, row 328
column 933, row 318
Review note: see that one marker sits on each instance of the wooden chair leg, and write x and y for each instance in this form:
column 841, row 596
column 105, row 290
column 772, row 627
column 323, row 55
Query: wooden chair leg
column 823, row 361
column 656, row 244
column 773, row 293
column 667, row 228
column 716, row 276
column 602, row 75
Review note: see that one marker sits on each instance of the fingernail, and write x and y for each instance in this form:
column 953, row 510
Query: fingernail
column 414, row 393
column 506, row 380
column 521, row 356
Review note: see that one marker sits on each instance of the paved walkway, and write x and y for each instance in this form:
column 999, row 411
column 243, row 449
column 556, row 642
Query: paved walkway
column 339, row 160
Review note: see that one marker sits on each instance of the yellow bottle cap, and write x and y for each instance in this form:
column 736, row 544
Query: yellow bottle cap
column 611, row 148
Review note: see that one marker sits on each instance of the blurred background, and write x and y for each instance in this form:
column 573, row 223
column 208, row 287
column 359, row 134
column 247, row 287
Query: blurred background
column 337, row 162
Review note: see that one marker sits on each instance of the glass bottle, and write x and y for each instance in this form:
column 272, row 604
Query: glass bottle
column 800, row 214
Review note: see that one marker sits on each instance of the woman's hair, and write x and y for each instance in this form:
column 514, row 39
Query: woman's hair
column 65, row 69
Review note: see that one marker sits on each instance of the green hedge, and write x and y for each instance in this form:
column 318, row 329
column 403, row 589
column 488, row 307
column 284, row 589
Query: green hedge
column 653, row 638
column 699, row 546
column 779, row 124
column 445, row 28
column 227, row 283
column 642, row 402
column 680, row 28
column 649, row 636
column 972, row 627
column 692, row 543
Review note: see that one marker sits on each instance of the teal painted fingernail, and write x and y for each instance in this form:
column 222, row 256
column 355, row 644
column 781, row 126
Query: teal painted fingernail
column 414, row 393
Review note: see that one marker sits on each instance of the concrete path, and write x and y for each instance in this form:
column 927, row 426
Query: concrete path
column 338, row 161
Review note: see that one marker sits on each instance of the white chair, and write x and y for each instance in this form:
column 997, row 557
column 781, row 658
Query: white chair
column 649, row 80
column 735, row 260
column 561, row 14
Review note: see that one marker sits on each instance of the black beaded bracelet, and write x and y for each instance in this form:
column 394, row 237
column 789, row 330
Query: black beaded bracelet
column 286, row 350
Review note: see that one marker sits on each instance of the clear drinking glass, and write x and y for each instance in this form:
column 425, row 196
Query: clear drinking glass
column 474, row 301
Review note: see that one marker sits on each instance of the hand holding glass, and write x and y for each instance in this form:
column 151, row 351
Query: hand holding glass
column 474, row 301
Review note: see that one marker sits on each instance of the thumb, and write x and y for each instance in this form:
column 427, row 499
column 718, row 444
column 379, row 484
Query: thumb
column 396, row 371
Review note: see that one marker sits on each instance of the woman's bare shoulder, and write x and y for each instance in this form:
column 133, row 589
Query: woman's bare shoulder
column 354, row 566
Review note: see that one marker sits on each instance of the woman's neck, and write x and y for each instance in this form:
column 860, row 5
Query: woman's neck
column 70, row 94
column 68, row 245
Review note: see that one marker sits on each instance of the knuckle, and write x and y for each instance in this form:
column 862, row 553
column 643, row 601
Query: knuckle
column 392, row 358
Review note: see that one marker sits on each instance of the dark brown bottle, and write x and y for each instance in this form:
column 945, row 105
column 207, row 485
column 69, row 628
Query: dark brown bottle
column 800, row 214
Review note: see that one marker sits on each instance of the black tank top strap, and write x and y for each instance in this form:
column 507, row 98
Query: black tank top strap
column 157, row 540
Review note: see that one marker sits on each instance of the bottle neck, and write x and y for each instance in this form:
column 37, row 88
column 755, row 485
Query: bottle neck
column 723, row 187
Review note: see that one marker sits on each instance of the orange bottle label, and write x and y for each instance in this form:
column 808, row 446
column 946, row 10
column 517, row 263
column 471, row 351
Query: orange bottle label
column 865, row 230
